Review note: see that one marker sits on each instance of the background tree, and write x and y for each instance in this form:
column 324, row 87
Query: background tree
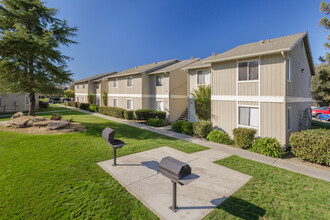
column 69, row 93
column 321, row 83
column 325, row 23
column 202, row 97
column 30, row 57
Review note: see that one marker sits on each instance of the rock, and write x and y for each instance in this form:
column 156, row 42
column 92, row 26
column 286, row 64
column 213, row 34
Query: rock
column 21, row 121
column 38, row 118
column 5, row 124
column 54, row 125
column 29, row 123
column 41, row 123
column 17, row 115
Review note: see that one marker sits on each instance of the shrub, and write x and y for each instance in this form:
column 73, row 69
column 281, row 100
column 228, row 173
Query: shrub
column 83, row 106
column 105, row 98
column 187, row 128
column 129, row 114
column 157, row 114
column 43, row 104
column 73, row 104
column 267, row 146
column 143, row 114
column 244, row 137
column 219, row 137
column 311, row 145
column 202, row 98
column 112, row 111
column 56, row 116
column 91, row 99
column 177, row 126
column 93, row 108
column 202, row 128
column 156, row 122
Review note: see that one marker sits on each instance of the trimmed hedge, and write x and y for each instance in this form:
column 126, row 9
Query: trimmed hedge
column 311, row 145
column 112, row 111
column 129, row 114
column 157, row 114
column 187, row 128
column 83, row 106
column 267, row 146
column 142, row 114
column 43, row 104
column 93, row 108
column 177, row 126
column 219, row 137
column 156, row 122
column 73, row 104
column 202, row 128
column 244, row 137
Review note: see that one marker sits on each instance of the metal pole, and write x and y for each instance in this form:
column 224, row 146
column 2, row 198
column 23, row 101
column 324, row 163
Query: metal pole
column 114, row 157
column 174, row 208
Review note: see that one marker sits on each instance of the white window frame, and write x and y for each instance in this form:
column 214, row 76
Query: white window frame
column 162, row 80
column 289, row 73
column 115, row 83
column 115, row 105
column 162, row 105
column 289, row 123
column 127, row 80
column 249, row 107
column 127, row 104
column 204, row 78
column 248, row 71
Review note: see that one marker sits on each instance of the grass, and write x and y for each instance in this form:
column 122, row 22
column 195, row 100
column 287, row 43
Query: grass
column 273, row 193
column 56, row 176
column 50, row 108
column 318, row 124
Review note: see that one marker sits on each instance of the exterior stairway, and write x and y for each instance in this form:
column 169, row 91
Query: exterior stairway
column 183, row 116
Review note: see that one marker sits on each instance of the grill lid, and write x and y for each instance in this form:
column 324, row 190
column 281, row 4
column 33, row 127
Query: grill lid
column 108, row 135
column 173, row 168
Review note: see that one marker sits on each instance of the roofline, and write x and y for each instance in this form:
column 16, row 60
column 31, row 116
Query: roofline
column 309, row 54
column 179, row 67
column 197, row 67
column 96, row 78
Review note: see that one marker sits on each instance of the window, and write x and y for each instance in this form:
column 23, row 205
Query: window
column 83, row 99
column 159, row 105
column 27, row 101
column 115, row 83
column 98, row 101
column 84, row 86
column 129, row 104
column 77, row 86
column 77, row 98
column 159, row 80
column 289, row 69
column 289, row 118
column 248, row 116
column 129, row 81
column 115, row 102
column 248, row 70
column 97, row 86
column 203, row 77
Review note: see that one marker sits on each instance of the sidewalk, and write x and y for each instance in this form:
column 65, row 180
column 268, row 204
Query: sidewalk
column 282, row 163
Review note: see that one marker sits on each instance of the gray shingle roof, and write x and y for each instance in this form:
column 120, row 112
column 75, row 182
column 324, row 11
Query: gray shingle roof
column 196, row 65
column 95, row 77
column 175, row 66
column 144, row 68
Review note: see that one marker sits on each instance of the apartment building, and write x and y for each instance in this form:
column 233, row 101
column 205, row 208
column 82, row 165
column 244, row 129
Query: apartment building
column 92, row 85
column 15, row 102
column 264, row 85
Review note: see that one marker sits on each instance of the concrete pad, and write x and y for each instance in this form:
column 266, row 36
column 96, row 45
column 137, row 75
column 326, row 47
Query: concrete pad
column 138, row 174
column 211, row 155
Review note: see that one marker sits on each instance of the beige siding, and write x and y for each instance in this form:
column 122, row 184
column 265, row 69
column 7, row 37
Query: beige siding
column 248, row 88
column 122, row 102
column 273, row 121
column 223, row 115
column 15, row 103
column 272, row 75
column 122, row 87
column 177, row 107
column 83, row 88
column 223, row 78
column 249, row 103
column 178, row 82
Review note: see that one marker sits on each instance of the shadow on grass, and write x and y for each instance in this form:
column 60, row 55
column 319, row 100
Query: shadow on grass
column 242, row 209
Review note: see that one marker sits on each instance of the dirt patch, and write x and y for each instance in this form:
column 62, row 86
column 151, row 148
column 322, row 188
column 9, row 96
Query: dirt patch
column 292, row 158
column 73, row 127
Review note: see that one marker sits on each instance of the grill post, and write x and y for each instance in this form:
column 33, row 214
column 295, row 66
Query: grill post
column 114, row 157
column 174, row 208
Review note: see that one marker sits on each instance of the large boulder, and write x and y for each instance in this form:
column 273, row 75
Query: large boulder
column 54, row 125
column 35, row 122
column 5, row 124
column 40, row 123
column 17, row 115
column 21, row 121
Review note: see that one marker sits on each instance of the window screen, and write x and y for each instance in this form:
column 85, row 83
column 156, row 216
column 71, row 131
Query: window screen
column 159, row 80
column 253, row 70
column 129, row 81
column 115, row 83
column 203, row 77
column 244, row 116
column 129, row 104
column 115, row 102
column 249, row 116
column 254, row 117
column 242, row 71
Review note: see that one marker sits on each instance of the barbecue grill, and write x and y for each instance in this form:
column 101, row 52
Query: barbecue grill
column 108, row 135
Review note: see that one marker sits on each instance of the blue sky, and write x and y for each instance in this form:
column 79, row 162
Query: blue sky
column 117, row 35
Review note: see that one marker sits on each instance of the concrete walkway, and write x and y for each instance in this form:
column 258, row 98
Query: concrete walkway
column 282, row 163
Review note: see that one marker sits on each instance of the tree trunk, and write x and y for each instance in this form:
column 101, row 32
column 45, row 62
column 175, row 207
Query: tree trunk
column 32, row 106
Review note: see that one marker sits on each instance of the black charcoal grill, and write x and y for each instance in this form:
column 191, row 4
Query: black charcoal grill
column 175, row 170
column 109, row 136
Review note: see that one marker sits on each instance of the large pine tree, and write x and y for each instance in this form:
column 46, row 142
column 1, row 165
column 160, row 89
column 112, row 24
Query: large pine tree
column 30, row 57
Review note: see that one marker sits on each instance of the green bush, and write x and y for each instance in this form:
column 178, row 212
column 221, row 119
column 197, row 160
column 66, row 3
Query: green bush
column 56, row 116
column 219, row 137
column 244, row 137
column 43, row 104
column 72, row 104
column 267, row 146
column 112, row 111
column 187, row 128
column 202, row 128
column 129, row 114
column 156, row 122
column 157, row 114
column 311, row 145
column 93, row 108
column 177, row 126
column 84, row 106
column 142, row 114
column 91, row 99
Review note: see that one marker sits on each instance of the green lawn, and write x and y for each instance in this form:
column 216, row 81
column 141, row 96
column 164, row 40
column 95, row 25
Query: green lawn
column 274, row 193
column 50, row 108
column 320, row 124
column 56, row 176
